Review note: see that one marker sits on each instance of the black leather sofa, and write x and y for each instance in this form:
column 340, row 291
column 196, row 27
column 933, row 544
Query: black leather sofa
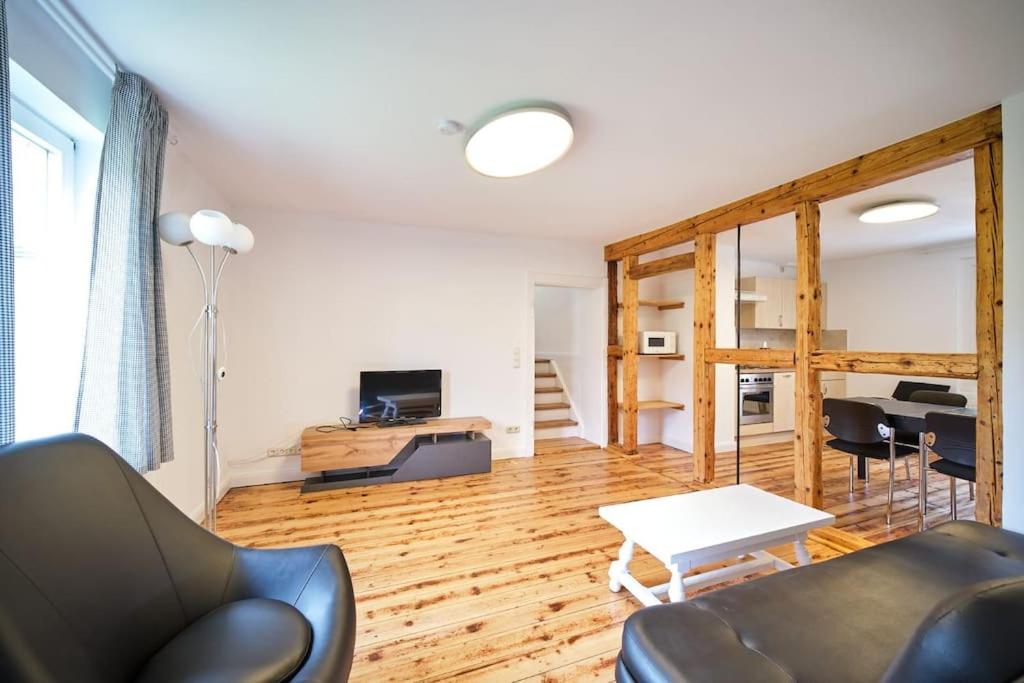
column 103, row 579
column 943, row 605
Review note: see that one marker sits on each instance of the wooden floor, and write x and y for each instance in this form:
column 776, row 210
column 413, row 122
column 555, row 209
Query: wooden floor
column 503, row 576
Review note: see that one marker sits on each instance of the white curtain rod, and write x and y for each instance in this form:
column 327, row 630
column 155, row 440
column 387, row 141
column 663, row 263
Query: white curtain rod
column 81, row 35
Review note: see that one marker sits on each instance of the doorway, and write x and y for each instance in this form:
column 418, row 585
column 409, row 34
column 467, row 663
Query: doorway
column 565, row 393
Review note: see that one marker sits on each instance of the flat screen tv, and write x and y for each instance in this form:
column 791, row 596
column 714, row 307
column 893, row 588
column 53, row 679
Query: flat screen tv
column 399, row 394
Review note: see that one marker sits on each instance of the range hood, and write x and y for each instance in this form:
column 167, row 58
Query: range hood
column 750, row 297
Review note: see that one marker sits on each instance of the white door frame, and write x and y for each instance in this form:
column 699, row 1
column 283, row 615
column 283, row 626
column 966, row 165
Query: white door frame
column 595, row 342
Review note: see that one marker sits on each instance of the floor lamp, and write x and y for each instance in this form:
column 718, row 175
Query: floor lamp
column 224, row 238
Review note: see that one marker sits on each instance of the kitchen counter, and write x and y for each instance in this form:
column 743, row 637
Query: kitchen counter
column 825, row 374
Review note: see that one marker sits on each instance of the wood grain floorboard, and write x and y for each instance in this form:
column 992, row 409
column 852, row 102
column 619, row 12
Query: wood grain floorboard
column 503, row 576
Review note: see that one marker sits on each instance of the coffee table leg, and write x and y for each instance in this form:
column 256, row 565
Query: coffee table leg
column 621, row 566
column 803, row 558
column 676, row 591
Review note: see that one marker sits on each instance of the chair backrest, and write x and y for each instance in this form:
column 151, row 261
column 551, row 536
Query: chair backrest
column 904, row 389
column 939, row 398
column 854, row 421
column 952, row 436
column 97, row 570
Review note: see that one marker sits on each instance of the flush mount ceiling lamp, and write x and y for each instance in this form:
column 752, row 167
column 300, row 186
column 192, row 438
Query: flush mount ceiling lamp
column 519, row 141
column 898, row 212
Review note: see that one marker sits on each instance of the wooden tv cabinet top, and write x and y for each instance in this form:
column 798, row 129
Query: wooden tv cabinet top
column 372, row 446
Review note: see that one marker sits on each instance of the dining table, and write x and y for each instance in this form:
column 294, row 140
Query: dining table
column 910, row 416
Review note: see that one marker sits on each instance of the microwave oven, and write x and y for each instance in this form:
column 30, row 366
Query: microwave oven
column 658, row 342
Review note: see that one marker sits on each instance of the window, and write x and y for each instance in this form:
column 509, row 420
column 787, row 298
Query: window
column 51, row 261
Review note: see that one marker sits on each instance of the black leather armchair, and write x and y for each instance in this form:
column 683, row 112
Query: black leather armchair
column 103, row 579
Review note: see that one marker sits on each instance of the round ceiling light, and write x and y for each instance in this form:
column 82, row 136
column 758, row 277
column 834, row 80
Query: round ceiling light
column 519, row 141
column 897, row 212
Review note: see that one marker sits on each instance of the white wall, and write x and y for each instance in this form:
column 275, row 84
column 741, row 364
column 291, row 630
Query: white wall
column 1013, row 313
column 181, row 480
column 320, row 299
column 918, row 301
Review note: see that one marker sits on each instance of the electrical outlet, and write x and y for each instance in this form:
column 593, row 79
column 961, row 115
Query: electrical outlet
column 512, row 429
column 282, row 452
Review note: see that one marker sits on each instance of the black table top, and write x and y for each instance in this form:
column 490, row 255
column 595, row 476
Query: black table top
column 909, row 415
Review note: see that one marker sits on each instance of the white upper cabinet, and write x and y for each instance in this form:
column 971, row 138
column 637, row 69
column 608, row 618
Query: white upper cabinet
column 776, row 307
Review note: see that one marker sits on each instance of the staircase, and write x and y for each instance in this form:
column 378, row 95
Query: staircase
column 553, row 415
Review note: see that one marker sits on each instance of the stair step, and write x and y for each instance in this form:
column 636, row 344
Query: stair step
column 553, row 424
column 547, row 390
column 545, row 375
column 551, row 406
column 542, row 360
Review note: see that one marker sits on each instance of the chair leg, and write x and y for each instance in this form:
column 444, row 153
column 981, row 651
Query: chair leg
column 892, row 476
column 852, row 475
column 906, row 465
column 970, row 489
column 952, row 497
column 867, row 470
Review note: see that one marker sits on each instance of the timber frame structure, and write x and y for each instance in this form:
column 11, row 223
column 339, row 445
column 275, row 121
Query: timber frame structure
column 978, row 137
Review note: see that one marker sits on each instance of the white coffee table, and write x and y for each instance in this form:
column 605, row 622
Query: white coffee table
column 692, row 529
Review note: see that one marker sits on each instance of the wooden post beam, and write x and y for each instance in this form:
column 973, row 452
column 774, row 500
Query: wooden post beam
column 661, row 266
column 988, row 221
column 940, row 147
column 613, row 361
column 704, row 371
column 953, row 365
column 763, row 358
column 630, row 409
column 808, row 429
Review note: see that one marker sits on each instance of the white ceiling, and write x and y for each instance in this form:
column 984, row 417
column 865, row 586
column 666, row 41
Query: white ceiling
column 679, row 106
column 844, row 236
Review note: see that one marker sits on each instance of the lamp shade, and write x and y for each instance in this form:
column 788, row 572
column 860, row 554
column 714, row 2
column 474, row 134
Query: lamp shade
column 212, row 227
column 242, row 240
column 174, row 228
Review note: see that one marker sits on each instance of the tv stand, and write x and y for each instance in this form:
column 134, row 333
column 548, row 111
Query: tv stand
column 372, row 454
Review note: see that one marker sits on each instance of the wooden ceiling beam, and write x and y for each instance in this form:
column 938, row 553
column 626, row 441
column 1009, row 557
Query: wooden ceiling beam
column 940, row 147
column 661, row 266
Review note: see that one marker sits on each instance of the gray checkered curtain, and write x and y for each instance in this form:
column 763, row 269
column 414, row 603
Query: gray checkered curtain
column 6, row 246
column 124, row 398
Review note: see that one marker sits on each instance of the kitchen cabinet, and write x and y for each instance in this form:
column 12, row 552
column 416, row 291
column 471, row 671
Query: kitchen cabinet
column 777, row 307
column 784, row 398
column 784, row 402
column 766, row 313
column 833, row 388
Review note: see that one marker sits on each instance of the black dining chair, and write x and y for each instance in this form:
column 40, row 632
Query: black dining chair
column 905, row 389
column 939, row 398
column 953, row 438
column 863, row 430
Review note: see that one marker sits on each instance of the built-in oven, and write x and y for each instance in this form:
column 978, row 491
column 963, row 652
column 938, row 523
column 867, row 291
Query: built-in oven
column 757, row 398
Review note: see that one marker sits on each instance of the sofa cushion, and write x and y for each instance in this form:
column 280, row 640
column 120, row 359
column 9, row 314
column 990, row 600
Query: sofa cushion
column 972, row 636
column 841, row 620
column 249, row 640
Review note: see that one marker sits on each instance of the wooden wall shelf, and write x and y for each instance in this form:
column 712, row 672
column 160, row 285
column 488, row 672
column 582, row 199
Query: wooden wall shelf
column 657, row 405
column 661, row 304
column 616, row 352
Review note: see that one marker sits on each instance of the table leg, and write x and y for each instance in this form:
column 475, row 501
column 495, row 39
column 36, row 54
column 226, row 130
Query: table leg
column 620, row 567
column 922, row 483
column 862, row 471
column 676, row 591
column 803, row 558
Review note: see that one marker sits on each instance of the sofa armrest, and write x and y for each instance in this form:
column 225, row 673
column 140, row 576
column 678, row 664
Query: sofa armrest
column 688, row 642
column 974, row 635
column 316, row 581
